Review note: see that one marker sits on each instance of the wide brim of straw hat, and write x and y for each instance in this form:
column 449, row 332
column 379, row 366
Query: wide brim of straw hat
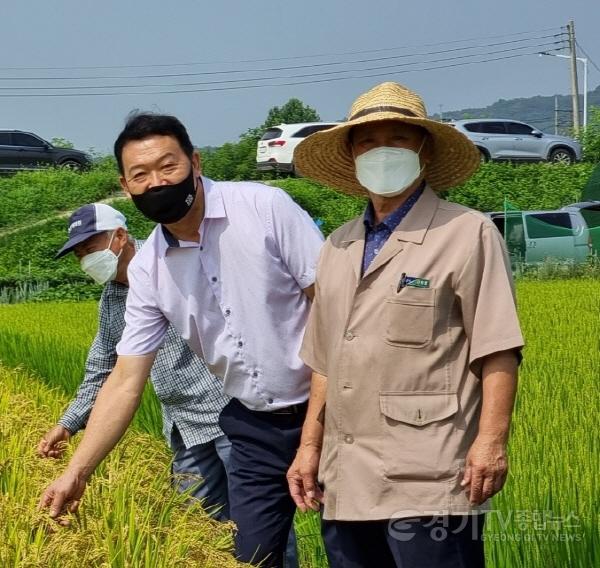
column 325, row 156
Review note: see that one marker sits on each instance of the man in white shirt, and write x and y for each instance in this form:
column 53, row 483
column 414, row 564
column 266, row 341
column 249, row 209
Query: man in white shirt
column 231, row 266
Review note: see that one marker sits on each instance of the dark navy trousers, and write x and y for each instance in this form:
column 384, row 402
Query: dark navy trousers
column 424, row 542
column 263, row 446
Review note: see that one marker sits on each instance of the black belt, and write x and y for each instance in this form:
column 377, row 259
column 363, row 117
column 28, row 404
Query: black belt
column 293, row 409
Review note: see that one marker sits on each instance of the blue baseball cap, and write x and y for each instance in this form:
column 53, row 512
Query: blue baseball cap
column 91, row 220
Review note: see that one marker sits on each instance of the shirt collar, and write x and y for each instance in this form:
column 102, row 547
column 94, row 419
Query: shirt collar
column 214, row 208
column 396, row 216
column 413, row 229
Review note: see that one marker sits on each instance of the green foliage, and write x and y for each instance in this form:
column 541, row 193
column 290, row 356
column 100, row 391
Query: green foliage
column 233, row 161
column 332, row 208
column 555, row 270
column 590, row 136
column 28, row 269
column 27, row 197
column 61, row 143
column 290, row 113
column 528, row 186
column 29, row 255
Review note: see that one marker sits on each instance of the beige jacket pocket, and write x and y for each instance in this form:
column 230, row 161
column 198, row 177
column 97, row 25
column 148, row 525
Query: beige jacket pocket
column 419, row 439
column 409, row 317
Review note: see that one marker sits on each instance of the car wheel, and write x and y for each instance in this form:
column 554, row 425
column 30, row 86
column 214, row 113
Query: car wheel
column 561, row 156
column 71, row 165
column 483, row 155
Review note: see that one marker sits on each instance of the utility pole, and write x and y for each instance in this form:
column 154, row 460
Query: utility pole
column 574, row 84
column 555, row 114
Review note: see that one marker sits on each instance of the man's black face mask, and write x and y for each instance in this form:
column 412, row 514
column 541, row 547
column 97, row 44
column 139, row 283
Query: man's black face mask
column 167, row 204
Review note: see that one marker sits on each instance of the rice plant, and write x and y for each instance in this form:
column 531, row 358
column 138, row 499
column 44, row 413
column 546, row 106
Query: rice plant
column 130, row 515
column 546, row 516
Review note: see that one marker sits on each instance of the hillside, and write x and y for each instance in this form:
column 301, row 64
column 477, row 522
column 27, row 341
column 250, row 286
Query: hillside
column 34, row 209
column 537, row 111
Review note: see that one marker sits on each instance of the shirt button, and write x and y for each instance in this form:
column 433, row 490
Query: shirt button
column 349, row 439
column 201, row 247
column 227, row 312
column 270, row 400
column 349, row 336
column 214, row 278
column 255, row 374
column 240, row 343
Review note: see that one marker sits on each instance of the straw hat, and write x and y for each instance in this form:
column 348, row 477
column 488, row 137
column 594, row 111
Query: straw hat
column 325, row 156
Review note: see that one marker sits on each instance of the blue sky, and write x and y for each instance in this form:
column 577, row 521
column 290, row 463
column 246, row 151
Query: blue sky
column 238, row 35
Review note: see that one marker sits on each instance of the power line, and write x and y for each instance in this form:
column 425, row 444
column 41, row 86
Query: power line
column 588, row 57
column 296, row 67
column 295, row 76
column 558, row 31
column 257, row 86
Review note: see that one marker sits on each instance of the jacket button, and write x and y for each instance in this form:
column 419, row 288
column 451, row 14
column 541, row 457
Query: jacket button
column 349, row 336
column 349, row 439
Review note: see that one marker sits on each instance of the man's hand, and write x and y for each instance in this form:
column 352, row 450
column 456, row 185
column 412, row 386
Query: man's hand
column 302, row 479
column 63, row 495
column 486, row 469
column 54, row 442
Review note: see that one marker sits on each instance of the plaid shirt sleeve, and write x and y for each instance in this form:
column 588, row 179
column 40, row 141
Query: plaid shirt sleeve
column 100, row 361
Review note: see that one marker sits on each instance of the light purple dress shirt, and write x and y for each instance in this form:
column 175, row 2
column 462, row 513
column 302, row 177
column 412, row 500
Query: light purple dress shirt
column 236, row 297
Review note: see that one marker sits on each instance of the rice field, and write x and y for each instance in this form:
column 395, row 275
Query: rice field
column 546, row 516
column 131, row 516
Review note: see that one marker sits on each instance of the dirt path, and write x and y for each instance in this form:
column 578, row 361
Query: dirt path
column 63, row 214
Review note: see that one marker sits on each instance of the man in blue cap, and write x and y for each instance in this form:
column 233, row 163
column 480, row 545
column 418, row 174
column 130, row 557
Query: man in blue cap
column 191, row 397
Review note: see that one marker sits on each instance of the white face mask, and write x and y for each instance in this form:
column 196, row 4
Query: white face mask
column 388, row 171
column 101, row 265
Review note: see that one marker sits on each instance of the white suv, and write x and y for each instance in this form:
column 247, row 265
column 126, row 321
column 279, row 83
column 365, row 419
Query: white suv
column 275, row 149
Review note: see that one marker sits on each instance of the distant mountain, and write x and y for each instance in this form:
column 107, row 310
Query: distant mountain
column 537, row 111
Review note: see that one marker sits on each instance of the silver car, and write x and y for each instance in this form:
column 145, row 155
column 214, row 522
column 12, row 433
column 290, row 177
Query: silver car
column 499, row 139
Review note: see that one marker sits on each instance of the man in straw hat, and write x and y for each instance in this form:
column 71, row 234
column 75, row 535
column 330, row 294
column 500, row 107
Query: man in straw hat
column 414, row 343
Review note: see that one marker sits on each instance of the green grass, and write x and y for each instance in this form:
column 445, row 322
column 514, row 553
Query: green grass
column 550, row 502
column 27, row 197
column 547, row 514
column 33, row 219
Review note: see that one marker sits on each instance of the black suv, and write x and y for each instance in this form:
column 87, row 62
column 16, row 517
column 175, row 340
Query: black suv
column 26, row 151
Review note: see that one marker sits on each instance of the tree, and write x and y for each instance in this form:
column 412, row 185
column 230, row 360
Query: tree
column 238, row 161
column 290, row 113
column 62, row 143
column 590, row 136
